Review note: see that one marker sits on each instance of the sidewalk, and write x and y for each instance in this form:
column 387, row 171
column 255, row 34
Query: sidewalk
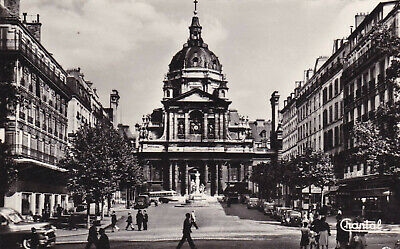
column 104, row 223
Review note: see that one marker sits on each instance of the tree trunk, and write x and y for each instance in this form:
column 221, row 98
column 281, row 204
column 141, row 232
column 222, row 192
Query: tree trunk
column 88, row 213
column 102, row 208
column 108, row 205
column 97, row 209
column 322, row 196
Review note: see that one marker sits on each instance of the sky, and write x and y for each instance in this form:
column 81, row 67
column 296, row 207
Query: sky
column 263, row 45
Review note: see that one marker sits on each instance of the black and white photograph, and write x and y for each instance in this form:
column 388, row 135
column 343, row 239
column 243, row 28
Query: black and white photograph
column 163, row 124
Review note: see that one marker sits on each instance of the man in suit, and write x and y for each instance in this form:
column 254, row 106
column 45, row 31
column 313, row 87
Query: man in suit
column 92, row 237
column 187, row 225
column 145, row 219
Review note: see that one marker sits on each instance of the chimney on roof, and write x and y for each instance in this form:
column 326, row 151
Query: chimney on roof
column 12, row 6
column 359, row 17
column 308, row 74
column 34, row 26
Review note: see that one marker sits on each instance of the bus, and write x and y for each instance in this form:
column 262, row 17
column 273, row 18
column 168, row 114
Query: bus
column 163, row 196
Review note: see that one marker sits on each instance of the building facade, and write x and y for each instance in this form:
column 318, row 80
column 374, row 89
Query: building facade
column 364, row 86
column 37, row 133
column 346, row 88
column 195, row 131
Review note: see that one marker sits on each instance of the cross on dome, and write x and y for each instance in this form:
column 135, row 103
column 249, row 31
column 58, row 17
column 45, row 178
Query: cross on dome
column 195, row 7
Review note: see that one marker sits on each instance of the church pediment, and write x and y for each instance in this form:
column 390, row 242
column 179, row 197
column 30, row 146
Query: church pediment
column 196, row 96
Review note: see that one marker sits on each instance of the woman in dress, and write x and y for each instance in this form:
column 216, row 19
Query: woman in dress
column 324, row 233
column 305, row 236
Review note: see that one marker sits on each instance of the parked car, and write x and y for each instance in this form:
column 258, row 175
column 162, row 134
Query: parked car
column 252, row 203
column 291, row 218
column 141, row 202
column 280, row 212
column 15, row 230
column 268, row 208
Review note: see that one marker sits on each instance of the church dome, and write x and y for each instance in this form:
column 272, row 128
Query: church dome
column 195, row 53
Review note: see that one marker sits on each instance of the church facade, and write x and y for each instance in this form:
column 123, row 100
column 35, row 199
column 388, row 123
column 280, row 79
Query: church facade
column 196, row 132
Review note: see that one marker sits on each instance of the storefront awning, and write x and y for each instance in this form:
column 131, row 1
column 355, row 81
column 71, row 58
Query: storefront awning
column 41, row 164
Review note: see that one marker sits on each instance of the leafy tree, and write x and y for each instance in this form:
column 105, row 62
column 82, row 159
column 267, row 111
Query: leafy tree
column 377, row 140
column 310, row 168
column 267, row 176
column 97, row 161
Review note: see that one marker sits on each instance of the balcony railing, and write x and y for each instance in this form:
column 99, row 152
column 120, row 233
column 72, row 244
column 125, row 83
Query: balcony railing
column 27, row 152
column 17, row 45
column 353, row 69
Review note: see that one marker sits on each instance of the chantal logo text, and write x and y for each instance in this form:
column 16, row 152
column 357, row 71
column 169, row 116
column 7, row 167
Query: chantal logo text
column 349, row 226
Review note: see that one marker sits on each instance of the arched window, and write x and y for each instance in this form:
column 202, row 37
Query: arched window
column 222, row 94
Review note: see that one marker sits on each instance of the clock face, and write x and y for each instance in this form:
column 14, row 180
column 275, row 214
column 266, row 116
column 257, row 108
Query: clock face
column 196, row 127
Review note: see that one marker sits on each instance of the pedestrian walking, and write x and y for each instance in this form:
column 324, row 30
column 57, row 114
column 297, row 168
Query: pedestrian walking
column 129, row 222
column 34, row 239
column 145, row 219
column 139, row 220
column 324, row 232
column 103, row 242
column 316, row 228
column 187, row 225
column 92, row 237
column 114, row 222
column 342, row 236
column 193, row 219
column 305, row 236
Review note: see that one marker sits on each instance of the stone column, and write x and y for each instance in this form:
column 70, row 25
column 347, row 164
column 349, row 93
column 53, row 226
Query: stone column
column 221, row 126
column 66, row 202
column 224, row 176
column 41, row 204
column 166, row 175
column 205, row 129
column 183, row 178
column 205, row 173
column 52, row 201
column 187, row 177
column 175, row 125
column 214, row 181
column 216, row 131
column 171, row 125
column 32, row 203
column 173, row 175
column 186, row 125
column 220, row 179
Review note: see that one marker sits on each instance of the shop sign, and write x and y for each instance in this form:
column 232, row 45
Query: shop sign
column 349, row 226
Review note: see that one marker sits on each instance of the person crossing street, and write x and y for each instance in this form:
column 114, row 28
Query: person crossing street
column 187, row 225
column 139, row 220
column 129, row 222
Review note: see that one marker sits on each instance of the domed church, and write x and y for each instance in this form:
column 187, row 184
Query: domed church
column 195, row 132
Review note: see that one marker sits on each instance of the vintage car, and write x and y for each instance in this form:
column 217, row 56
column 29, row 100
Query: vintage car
column 141, row 202
column 252, row 203
column 15, row 230
column 291, row 218
column 268, row 208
